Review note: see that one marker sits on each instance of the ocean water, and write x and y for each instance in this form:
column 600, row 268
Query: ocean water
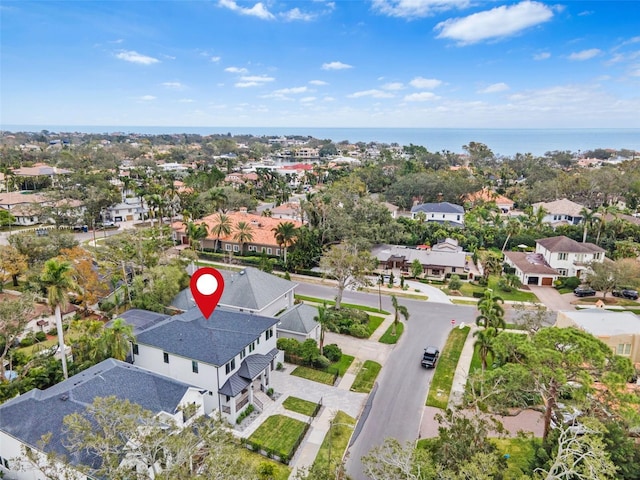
column 506, row 142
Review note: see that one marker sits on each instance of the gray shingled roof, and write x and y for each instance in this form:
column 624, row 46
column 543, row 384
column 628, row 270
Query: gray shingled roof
column 530, row 263
column 215, row 341
column 600, row 322
column 39, row 412
column 442, row 207
column 249, row 369
column 566, row 244
column 429, row 258
column 250, row 289
column 140, row 320
column 299, row 319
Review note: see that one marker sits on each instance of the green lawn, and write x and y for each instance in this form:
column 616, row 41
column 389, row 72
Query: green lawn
column 446, row 368
column 521, row 453
column 388, row 337
column 342, row 365
column 467, row 290
column 313, row 374
column 295, row 404
column 279, row 434
column 260, row 463
column 335, row 441
column 374, row 323
column 306, row 298
column 366, row 377
column 455, row 301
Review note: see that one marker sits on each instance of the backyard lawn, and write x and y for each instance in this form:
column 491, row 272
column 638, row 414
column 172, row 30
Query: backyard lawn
column 521, row 453
column 304, row 407
column 366, row 377
column 335, row 442
column 279, row 435
column 278, row 471
column 446, row 368
column 315, row 375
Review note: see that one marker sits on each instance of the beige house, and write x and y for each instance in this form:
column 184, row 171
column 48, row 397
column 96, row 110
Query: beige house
column 619, row 330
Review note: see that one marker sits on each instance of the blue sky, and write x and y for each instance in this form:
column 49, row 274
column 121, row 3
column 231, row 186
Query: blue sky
column 317, row 63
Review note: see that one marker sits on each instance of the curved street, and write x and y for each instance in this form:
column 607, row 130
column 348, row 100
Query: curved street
column 398, row 404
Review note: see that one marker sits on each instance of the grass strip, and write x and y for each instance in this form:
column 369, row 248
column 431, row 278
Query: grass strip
column 299, row 405
column 278, row 434
column 314, row 375
column 515, row 295
column 306, row 298
column 374, row 323
column 388, row 338
column 342, row 365
column 335, row 442
column 446, row 368
column 366, row 377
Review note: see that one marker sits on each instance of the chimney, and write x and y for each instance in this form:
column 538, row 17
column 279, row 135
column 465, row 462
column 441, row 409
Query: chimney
column 243, row 210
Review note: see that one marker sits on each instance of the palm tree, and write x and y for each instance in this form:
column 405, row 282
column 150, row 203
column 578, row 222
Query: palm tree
column 325, row 318
column 221, row 227
column 491, row 311
column 513, row 228
column 195, row 232
column 244, row 234
column 217, row 197
column 56, row 278
column 398, row 310
column 484, row 344
column 286, row 234
column 117, row 339
column 588, row 218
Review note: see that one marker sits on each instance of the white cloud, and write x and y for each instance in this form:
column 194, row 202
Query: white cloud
column 294, row 90
column 146, row 98
column 585, row 13
column 420, row 97
column 371, row 93
column 307, row 99
column 318, row 82
column 258, row 10
column 215, row 59
column 635, row 73
column 296, row 14
column 585, row 54
column 257, row 78
column 247, row 84
column 186, row 100
column 495, row 88
column 135, row 57
column 335, row 66
column 420, row 82
column 393, row 86
column 495, row 23
column 542, row 56
column 174, row 85
column 416, row 8
column 236, row 70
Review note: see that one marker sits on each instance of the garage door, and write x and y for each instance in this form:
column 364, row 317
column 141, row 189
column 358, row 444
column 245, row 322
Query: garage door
column 533, row 281
column 547, row 281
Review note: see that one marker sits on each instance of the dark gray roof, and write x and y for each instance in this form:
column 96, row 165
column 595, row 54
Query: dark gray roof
column 566, row 244
column 250, row 368
column 140, row 320
column 215, row 341
column 39, row 412
column 250, row 289
column 299, row 319
column 442, row 207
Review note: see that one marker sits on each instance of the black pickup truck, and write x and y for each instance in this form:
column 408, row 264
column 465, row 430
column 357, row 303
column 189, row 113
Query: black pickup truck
column 430, row 357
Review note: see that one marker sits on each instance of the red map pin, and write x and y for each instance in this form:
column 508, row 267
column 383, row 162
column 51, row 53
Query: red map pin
column 207, row 286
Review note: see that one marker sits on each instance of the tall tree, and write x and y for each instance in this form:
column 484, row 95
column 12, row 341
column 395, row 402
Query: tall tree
column 325, row 319
column 196, row 232
column 588, row 217
column 15, row 315
column 222, row 227
column 285, row 234
column 513, row 228
column 347, row 266
column 86, row 275
column 243, row 234
column 117, row 339
column 12, row 262
column 484, row 345
column 56, row 277
column 491, row 312
column 397, row 311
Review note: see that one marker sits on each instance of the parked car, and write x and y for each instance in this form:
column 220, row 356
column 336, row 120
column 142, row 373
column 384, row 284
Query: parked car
column 584, row 292
column 430, row 357
column 626, row 293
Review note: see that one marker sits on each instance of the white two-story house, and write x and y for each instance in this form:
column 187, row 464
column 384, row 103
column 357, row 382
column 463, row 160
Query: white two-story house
column 568, row 257
column 560, row 212
column 25, row 419
column 442, row 212
column 230, row 355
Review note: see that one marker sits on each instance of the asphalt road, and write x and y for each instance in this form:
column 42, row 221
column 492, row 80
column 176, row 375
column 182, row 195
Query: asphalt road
column 403, row 384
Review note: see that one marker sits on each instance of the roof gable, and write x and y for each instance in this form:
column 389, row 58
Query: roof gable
column 300, row 319
column 566, row 244
column 442, row 207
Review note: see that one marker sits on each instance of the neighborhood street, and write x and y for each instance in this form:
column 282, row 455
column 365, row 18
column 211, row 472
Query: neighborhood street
column 398, row 402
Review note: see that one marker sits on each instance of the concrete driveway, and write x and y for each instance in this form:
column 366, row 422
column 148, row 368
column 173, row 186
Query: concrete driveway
column 552, row 299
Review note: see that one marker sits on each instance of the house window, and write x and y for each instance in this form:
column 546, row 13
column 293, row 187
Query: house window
column 194, row 366
column 579, row 257
column 563, row 272
column 243, row 354
column 230, row 367
column 277, row 251
column 624, row 349
column 268, row 251
column 228, row 398
column 135, row 349
column 227, row 247
column 596, row 256
column 258, row 341
column 458, row 217
column 252, row 347
column 433, row 215
column 563, row 256
column 236, row 248
column 268, row 334
column 165, row 355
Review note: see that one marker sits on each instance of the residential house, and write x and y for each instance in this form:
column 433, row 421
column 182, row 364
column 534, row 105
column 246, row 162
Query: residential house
column 38, row 170
column 442, row 212
column 132, row 208
column 299, row 322
column 487, row 196
column 25, row 419
column 249, row 290
column 288, row 211
column 230, row 355
column 560, row 212
column 554, row 257
column 447, row 257
column 262, row 232
column 619, row 330
column 25, row 207
column 393, row 209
